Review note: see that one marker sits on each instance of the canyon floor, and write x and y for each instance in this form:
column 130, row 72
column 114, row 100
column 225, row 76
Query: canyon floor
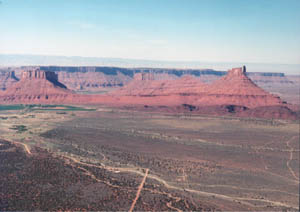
column 101, row 158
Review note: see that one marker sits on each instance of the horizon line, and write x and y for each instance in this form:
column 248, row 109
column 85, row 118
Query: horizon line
column 139, row 59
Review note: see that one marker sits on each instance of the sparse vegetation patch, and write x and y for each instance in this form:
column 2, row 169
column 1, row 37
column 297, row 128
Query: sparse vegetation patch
column 19, row 128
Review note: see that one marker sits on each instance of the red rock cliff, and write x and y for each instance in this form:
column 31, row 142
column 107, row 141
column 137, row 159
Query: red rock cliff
column 7, row 79
column 235, row 88
column 36, row 86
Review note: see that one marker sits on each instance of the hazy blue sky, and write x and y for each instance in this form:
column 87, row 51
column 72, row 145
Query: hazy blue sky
column 261, row 31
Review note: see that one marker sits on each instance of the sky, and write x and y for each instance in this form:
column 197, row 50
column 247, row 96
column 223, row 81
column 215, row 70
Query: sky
column 249, row 31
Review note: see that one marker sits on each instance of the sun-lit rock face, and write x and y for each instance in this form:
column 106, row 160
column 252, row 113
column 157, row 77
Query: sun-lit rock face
column 7, row 79
column 36, row 86
column 91, row 80
column 42, row 87
column 235, row 88
column 236, row 82
column 144, row 84
column 34, row 74
column 144, row 76
column 238, row 89
column 234, row 91
column 237, row 71
column 37, row 75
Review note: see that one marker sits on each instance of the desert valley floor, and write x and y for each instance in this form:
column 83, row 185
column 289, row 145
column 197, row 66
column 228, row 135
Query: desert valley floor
column 101, row 158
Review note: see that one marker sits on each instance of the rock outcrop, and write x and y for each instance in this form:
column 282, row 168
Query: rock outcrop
column 236, row 82
column 233, row 94
column 42, row 87
column 236, row 88
column 36, row 86
column 233, row 89
column 144, row 84
column 7, row 79
column 270, row 112
column 92, row 81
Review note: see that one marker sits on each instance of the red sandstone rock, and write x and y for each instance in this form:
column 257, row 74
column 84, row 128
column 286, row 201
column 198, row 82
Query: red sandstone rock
column 42, row 87
column 236, row 83
column 270, row 112
column 36, row 87
column 92, row 81
column 233, row 94
column 233, row 89
column 145, row 85
column 237, row 89
column 7, row 79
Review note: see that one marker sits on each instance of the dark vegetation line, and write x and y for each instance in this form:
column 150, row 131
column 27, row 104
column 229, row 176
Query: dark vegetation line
column 34, row 107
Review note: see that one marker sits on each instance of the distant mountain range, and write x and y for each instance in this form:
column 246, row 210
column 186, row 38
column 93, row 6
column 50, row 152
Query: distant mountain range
column 45, row 60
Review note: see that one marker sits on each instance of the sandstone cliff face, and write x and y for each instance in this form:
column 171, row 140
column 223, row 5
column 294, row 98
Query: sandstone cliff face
column 144, row 84
column 92, row 81
column 7, row 79
column 234, row 94
column 238, row 89
column 270, row 112
column 102, row 79
column 236, row 82
column 233, row 89
column 42, row 87
column 36, row 86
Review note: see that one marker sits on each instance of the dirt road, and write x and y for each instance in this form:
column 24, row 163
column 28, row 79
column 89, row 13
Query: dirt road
column 291, row 158
column 25, row 146
column 139, row 191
